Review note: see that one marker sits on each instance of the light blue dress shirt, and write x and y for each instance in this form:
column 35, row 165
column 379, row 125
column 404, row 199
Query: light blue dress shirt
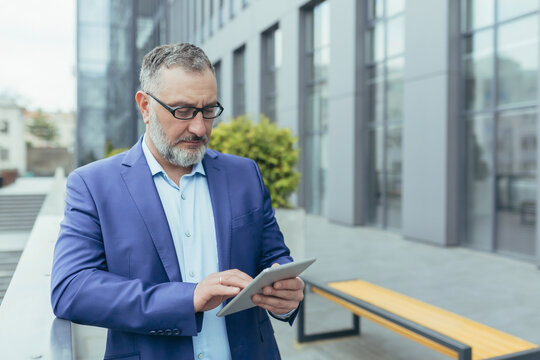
column 188, row 209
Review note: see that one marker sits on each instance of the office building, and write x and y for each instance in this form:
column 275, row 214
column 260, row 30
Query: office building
column 419, row 117
column 112, row 38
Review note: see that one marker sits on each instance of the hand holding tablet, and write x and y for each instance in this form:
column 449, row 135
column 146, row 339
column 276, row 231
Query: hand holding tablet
column 267, row 277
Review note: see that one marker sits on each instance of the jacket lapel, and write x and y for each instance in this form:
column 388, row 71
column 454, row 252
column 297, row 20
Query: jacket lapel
column 219, row 195
column 140, row 184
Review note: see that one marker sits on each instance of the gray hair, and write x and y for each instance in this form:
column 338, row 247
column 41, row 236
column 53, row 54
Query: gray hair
column 189, row 57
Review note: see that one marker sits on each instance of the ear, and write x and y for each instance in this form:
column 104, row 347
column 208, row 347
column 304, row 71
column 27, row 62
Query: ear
column 142, row 100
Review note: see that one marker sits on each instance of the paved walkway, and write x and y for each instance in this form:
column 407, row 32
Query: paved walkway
column 497, row 291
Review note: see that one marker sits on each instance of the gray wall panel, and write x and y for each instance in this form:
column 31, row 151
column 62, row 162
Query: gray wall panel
column 341, row 188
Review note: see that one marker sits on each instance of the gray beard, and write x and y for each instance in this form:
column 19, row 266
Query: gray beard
column 180, row 157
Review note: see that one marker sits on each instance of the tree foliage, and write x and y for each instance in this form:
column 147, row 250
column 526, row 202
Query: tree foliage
column 42, row 127
column 271, row 147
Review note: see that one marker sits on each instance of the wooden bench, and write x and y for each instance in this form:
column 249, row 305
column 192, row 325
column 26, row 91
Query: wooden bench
column 443, row 331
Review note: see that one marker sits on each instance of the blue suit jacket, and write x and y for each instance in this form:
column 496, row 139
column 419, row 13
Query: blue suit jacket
column 115, row 264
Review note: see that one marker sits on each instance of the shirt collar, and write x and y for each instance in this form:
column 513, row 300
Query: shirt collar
column 156, row 168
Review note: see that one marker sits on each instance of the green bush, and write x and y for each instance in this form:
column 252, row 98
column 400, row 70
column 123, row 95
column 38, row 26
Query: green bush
column 271, row 147
column 116, row 151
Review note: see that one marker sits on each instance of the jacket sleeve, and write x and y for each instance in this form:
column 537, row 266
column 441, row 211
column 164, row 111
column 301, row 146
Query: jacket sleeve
column 274, row 248
column 83, row 291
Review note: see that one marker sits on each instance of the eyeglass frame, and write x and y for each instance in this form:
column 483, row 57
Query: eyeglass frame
column 197, row 110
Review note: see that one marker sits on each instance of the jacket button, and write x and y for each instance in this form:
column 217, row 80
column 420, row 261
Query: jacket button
column 160, row 332
column 168, row 332
column 176, row 332
column 152, row 332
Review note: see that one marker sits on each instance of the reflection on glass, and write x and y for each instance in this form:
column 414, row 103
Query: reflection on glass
column 376, row 178
column 478, row 13
column 316, row 62
column 508, row 9
column 396, row 37
column 516, row 182
column 93, row 11
column 239, row 94
column 321, row 31
column 479, row 198
column 95, row 47
column 394, row 6
column 518, row 61
column 394, row 90
column 375, row 9
column 478, row 70
column 376, row 94
column 393, row 176
column 385, row 47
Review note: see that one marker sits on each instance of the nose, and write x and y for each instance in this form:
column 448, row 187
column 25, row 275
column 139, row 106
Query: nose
column 197, row 125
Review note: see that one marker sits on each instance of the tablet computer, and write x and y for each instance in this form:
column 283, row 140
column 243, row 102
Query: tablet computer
column 267, row 277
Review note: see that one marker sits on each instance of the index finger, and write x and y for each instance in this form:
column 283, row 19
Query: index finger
column 234, row 277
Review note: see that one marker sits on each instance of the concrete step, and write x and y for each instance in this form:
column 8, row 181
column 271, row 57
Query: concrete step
column 13, row 226
column 10, row 256
column 4, row 282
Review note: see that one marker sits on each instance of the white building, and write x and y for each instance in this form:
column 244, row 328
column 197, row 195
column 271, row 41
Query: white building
column 12, row 140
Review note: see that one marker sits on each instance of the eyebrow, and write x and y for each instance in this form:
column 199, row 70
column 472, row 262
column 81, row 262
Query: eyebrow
column 185, row 103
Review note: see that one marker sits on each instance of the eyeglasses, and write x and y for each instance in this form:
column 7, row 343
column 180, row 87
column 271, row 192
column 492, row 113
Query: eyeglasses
column 189, row 112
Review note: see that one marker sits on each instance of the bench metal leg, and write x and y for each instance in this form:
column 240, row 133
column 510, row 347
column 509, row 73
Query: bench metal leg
column 303, row 337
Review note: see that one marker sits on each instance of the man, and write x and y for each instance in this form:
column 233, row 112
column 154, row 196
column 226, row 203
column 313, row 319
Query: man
column 154, row 240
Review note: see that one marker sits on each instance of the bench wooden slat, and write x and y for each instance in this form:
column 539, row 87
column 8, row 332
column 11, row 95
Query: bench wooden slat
column 388, row 324
column 485, row 341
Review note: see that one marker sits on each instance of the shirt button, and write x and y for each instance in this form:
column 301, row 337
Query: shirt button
column 188, row 234
column 183, row 196
column 200, row 356
column 192, row 274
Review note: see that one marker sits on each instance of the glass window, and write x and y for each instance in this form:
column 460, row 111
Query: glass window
column 395, row 44
column 221, row 12
column 375, row 9
column 315, row 63
column 478, row 70
column 211, row 21
column 500, row 53
column 477, row 14
column 4, row 154
column 479, row 166
column 517, row 61
column 239, row 84
column 93, row 11
column 271, row 61
column 508, row 9
column 394, row 7
column 516, row 182
column 385, row 47
column 4, row 126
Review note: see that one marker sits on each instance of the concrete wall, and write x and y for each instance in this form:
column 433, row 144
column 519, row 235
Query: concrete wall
column 343, row 185
column 429, row 133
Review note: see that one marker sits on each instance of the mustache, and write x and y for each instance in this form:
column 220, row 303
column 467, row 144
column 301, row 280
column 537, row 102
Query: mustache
column 191, row 138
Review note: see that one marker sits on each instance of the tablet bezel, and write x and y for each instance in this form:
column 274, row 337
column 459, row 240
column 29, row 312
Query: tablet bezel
column 268, row 276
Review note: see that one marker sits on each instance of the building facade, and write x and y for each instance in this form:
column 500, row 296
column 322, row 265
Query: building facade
column 112, row 38
column 12, row 130
column 422, row 125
